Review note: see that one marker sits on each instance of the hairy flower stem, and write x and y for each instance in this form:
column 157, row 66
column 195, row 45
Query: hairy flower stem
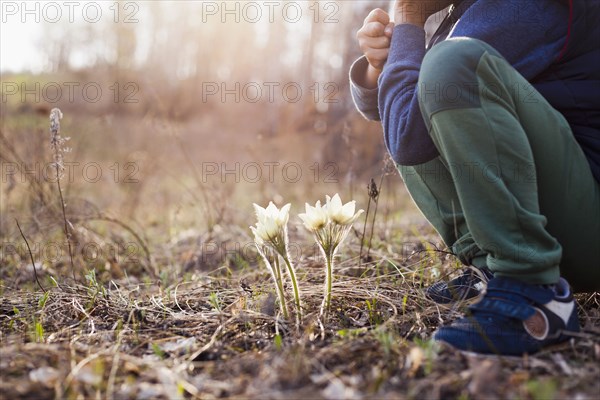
column 294, row 284
column 326, row 238
column 279, row 283
column 275, row 270
column 328, row 281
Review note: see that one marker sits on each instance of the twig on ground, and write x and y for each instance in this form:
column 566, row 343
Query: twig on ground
column 362, row 238
column 374, row 194
column 30, row 255
column 57, row 142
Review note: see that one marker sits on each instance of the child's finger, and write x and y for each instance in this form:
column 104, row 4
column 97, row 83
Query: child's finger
column 389, row 30
column 373, row 29
column 378, row 15
column 381, row 42
column 377, row 57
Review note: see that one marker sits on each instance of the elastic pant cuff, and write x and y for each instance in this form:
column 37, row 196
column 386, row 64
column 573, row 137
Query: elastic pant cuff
column 507, row 269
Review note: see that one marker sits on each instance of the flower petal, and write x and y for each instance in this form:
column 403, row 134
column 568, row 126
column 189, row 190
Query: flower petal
column 272, row 211
column 258, row 210
column 355, row 217
column 257, row 239
column 284, row 215
column 336, row 202
column 304, row 217
column 348, row 209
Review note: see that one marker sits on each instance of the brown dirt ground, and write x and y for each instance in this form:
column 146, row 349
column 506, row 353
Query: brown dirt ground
column 219, row 337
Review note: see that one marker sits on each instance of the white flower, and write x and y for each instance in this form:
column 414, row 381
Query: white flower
column 342, row 214
column 265, row 230
column 330, row 224
column 271, row 221
column 258, row 236
column 315, row 217
column 271, row 232
column 279, row 217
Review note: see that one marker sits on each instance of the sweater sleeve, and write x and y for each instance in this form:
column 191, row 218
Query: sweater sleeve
column 404, row 130
column 364, row 99
column 528, row 33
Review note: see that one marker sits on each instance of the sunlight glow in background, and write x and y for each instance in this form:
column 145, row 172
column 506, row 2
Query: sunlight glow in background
column 18, row 46
column 27, row 34
column 27, row 37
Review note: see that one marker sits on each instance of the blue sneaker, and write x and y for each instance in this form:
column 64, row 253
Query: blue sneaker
column 471, row 283
column 514, row 318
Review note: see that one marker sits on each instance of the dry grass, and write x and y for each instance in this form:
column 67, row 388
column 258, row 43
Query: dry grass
column 177, row 319
column 218, row 337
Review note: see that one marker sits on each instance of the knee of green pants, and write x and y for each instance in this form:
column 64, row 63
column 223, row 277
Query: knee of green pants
column 448, row 79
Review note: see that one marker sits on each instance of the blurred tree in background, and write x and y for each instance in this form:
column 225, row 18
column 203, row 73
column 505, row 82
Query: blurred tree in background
column 230, row 81
column 172, row 48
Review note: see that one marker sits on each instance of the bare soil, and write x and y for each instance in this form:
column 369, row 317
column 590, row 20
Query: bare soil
column 220, row 336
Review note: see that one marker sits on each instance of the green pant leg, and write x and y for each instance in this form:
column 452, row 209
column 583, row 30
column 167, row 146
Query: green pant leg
column 432, row 189
column 524, row 185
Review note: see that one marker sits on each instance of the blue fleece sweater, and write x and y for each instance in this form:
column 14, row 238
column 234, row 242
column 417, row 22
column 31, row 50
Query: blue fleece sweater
column 530, row 34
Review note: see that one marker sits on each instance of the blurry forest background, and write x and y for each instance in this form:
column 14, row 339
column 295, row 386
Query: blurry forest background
column 180, row 115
